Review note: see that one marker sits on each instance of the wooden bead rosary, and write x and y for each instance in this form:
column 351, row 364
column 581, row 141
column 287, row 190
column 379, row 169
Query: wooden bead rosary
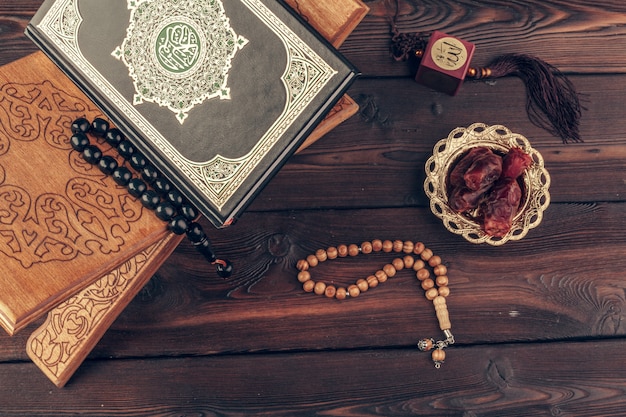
column 416, row 257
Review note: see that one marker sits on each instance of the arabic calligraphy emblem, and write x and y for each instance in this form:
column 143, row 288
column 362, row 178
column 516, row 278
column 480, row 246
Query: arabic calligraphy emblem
column 179, row 53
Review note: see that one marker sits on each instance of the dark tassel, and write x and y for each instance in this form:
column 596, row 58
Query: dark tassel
column 552, row 102
column 405, row 46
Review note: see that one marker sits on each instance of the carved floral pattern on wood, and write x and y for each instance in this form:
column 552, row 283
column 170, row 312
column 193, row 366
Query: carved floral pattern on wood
column 36, row 224
column 59, row 342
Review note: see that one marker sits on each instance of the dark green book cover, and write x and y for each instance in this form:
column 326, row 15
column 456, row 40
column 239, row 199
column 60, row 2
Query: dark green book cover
column 216, row 93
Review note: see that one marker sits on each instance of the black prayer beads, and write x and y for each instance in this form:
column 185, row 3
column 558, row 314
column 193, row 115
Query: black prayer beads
column 153, row 190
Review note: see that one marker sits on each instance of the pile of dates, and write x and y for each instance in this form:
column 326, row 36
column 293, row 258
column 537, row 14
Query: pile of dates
column 486, row 185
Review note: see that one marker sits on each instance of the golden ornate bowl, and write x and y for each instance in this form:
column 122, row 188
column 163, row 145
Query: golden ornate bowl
column 534, row 183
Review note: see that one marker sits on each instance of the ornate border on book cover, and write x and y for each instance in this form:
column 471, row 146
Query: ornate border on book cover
column 305, row 75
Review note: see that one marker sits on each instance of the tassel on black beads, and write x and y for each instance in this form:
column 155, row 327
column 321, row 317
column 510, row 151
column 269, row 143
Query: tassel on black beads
column 153, row 191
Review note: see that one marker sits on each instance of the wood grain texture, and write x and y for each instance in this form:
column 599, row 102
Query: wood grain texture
column 73, row 328
column 539, row 323
column 577, row 37
column 64, row 223
column 505, row 380
column 335, row 21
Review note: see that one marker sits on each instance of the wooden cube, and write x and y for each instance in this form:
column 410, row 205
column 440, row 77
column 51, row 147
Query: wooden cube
column 445, row 63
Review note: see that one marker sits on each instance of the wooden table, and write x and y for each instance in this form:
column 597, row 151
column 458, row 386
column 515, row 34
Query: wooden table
column 539, row 323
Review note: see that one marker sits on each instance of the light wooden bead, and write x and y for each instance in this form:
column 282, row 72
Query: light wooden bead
column 408, row 246
column 398, row 263
column 342, row 251
column 422, row 274
column 302, row 265
column 372, row 281
column 431, row 294
column 418, row 264
column 440, row 269
column 425, row 345
column 387, row 246
column 366, row 247
column 390, row 270
column 312, row 260
column 434, row 261
column 304, row 276
column 332, row 252
column 398, row 245
column 353, row 250
column 427, row 284
column 442, row 313
column 321, row 255
column 320, row 288
column 409, row 261
column 426, row 254
column 381, row 276
column 309, row 285
column 418, row 248
column 439, row 355
column 442, row 280
column 377, row 245
column 354, row 291
column 363, row 285
column 341, row 293
column 444, row 291
column 330, row 291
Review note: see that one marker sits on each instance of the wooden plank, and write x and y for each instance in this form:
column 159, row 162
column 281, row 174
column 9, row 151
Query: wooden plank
column 377, row 158
column 542, row 288
column 575, row 37
column 581, row 379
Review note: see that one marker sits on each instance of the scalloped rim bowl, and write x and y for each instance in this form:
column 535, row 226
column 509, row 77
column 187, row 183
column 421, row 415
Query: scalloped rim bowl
column 535, row 181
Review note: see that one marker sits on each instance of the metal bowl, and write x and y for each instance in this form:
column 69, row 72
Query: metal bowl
column 534, row 182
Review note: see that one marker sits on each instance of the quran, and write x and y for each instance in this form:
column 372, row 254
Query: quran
column 217, row 94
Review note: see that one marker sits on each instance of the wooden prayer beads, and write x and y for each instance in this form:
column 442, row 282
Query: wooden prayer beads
column 415, row 256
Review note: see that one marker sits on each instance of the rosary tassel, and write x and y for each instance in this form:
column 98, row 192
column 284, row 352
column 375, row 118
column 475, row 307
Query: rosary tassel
column 552, row 101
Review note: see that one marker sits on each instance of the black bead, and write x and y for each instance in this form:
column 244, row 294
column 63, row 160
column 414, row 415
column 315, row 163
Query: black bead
column 162, row 186
column 178, row 225
column 114, row 137
column 122, row 176
column 126, row 149
column 174, row 197
column 189, row 212
column 92, row 154
column 99, row 127
column 204, row 247
column 136, row 187
column 138, row 161
column 150, row 199
column 195, row 233
column 149, row 174
column 107, row 164
column 165, row 211
column 80, row 125
column 79, row 141
column 224, row 270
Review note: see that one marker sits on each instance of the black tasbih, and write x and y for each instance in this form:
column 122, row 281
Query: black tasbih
column 153, row 190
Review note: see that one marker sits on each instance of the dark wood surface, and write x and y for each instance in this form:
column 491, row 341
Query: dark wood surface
column 539, row 323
